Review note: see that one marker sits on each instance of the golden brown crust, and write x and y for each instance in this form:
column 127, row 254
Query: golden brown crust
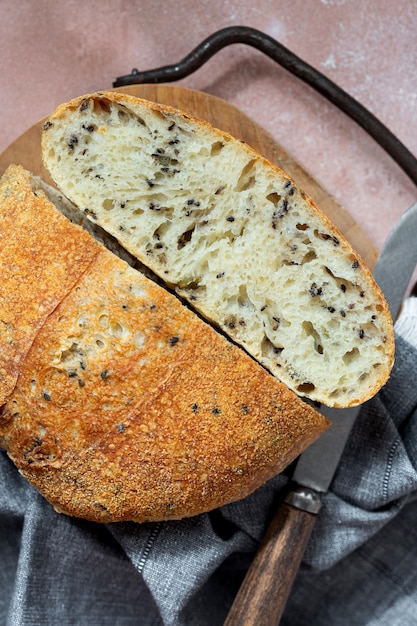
column 129, row 407
column 41, row 255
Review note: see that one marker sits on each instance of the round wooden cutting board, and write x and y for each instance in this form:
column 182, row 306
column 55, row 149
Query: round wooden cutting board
column 26, row 152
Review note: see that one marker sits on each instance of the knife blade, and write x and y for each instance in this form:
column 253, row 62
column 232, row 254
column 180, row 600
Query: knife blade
column 273, row 570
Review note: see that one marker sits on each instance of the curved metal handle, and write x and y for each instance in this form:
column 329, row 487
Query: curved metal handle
column 284, row 57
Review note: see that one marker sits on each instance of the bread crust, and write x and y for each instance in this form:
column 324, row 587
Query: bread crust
column 129, row 407
column 366, row 327
column 37, row 271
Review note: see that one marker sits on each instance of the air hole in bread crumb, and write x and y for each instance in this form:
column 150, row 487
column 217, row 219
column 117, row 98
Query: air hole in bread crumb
column 274, row 197
column 351, row 356
column 342, row 283
column 185, row 238
column 108, row 204
column 307, row 258
column 162, row 230
column 123, row 116
column 243, row 298
column 326, row 237
column 140, row 121
column 216, row 148
column 189, row 284
column 302, row 226
column 101, row 105
column 305, row 387
column 247, row 176
column 268, row 349
column 310, row 331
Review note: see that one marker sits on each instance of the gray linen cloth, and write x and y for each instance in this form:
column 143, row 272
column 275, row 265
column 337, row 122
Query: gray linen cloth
column 360, row 566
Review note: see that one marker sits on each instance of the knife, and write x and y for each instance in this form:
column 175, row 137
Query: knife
column 263, row 594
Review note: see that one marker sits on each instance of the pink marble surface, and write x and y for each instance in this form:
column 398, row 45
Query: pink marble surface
column 52, row 51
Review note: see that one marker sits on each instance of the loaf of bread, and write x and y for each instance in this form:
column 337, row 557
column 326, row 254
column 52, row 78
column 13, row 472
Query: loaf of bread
column 232, row 234
column 124, row 404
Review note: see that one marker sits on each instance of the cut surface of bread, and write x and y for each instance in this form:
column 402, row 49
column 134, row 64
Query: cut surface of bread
column 127, row 405
column 232, row 234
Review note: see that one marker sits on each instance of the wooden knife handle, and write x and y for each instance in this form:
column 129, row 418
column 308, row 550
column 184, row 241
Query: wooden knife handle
column 263, row 594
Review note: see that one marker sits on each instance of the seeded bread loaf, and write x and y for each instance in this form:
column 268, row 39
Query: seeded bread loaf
column 232, row 234
column 127, row 406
